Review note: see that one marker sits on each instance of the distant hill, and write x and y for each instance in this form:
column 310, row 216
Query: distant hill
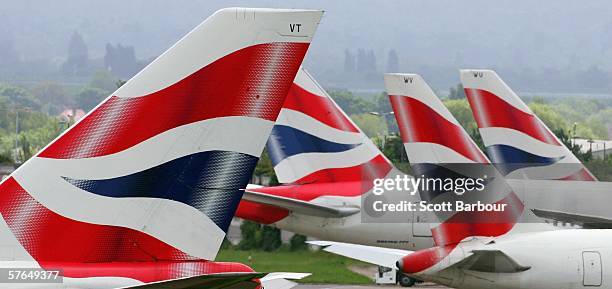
column 545, row 45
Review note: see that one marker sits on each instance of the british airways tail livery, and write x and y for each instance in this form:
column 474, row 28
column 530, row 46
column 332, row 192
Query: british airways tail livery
column 314, row 141
column 469, row 254
column 143, row 188
column 326, row 164
column 429, row 131
column 435, row 142
column 516, row 140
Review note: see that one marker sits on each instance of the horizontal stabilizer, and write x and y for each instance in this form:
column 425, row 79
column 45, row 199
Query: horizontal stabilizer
column 280, row 280
column 210, row 281
column 586, row 221
column 491, row 261
column 370, row 254
column 299, row 206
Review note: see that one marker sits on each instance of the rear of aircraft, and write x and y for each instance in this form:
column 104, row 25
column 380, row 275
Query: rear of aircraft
column 516, row 140
column 439, row 148
column 317, row 152
column 144, row 187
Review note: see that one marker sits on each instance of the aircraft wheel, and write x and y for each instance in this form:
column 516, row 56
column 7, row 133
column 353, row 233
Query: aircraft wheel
column 405, row 280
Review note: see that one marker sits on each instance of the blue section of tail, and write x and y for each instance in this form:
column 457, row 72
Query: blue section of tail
column 211, row 182
column 508, row 158
column 286, row 141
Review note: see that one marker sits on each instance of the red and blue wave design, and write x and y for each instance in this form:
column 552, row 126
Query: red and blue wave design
column 318, row 107
column 251, row 82
column 50, row 237
column 509, row 158
column 492, row 111
column 211, row 182
column 286, row 141
column 420, row 123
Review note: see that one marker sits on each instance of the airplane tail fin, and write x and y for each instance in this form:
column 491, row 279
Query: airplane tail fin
column 314, row 141
column 430, row 133
column 516, row 140
column 156, row 171
column 316, row 151
column 439, row 148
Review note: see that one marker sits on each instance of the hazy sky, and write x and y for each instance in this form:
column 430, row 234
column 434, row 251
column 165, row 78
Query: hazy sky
column 530, row 34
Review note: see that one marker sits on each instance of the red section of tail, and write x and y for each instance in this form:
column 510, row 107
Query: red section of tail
column 488, row 224
column 318, row 107
column 377, row 167
column 145, row 271
column 344, row 182
column 492, row 111
column 228, row 88
column 419, row 123
column 463, row 225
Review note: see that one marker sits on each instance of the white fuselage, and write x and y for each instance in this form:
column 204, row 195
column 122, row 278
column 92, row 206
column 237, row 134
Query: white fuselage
column 561, row 259
column 414, row 232
column 406, row 236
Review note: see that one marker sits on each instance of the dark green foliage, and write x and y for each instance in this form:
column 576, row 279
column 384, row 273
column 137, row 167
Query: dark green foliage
column 226, row 244
column 601, row 168
column 393, row 149
column 574, row 148
column 251, row 236
column 384, row 109
column 89, row 97
column 264, row 168
column 298, row 242
column 270, row 238
column 259, row 237
column 350, row 103
column 19, row 97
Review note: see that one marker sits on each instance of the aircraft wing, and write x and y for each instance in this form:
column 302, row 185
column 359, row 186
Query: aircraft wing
column 227, row 280
column 492, row 261
column 299, row 206
column 586, row 221
column 370, row 254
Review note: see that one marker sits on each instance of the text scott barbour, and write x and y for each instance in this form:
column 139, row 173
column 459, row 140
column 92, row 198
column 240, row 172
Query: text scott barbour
column 423, row 206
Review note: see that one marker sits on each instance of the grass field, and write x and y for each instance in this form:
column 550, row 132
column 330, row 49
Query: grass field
column 325, row 267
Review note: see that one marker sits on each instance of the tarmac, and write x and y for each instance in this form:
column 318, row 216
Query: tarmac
column 335, row 286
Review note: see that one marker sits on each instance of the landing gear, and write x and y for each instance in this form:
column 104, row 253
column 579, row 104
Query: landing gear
column 405, row 280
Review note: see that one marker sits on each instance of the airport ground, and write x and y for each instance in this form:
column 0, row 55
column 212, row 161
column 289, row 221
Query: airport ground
column 335, row 286
column 328, row 270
